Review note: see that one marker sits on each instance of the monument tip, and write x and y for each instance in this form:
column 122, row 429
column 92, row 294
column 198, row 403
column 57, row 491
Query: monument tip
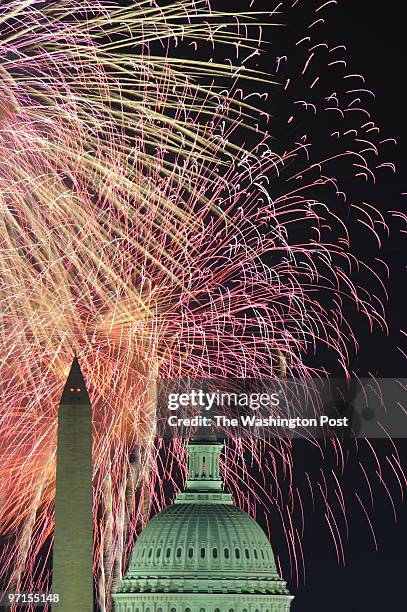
column 75, row 391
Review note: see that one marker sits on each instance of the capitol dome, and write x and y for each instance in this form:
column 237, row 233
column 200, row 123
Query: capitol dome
column 202, row 554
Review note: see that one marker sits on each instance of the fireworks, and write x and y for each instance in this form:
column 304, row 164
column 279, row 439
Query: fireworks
column 151, row 224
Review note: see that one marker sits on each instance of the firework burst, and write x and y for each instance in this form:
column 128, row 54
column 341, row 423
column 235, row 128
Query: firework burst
column 139, row 231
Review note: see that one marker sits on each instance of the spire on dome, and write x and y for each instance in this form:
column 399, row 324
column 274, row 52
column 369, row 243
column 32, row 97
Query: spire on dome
column 204, row 434
column 75, row 391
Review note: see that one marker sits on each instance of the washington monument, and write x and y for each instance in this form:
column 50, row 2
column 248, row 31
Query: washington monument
column 73, row 539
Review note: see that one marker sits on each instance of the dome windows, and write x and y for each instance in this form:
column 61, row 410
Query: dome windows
column 190, row 552
column 215, row 553
column 247, row 554
column 203, row 552
column 237, row 553
column 179, row 552
column 168, row 553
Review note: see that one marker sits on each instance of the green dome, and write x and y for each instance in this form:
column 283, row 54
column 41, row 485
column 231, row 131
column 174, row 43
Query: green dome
column 214, row 546
column 202, row 549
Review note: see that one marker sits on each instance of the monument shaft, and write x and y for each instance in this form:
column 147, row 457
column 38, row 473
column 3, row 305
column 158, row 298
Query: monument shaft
column 73, row 536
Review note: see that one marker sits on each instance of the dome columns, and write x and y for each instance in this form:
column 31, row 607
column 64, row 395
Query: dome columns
column 203, row 467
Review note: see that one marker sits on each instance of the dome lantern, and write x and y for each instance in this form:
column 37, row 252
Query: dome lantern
column 203, row 466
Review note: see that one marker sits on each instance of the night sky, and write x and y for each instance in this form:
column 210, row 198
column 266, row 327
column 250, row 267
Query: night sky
column 375, row 37
column 370, row 581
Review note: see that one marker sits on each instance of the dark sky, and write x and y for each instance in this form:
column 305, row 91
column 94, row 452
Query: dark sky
column 376, row 48
column 371, row 581
column 375, row 37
